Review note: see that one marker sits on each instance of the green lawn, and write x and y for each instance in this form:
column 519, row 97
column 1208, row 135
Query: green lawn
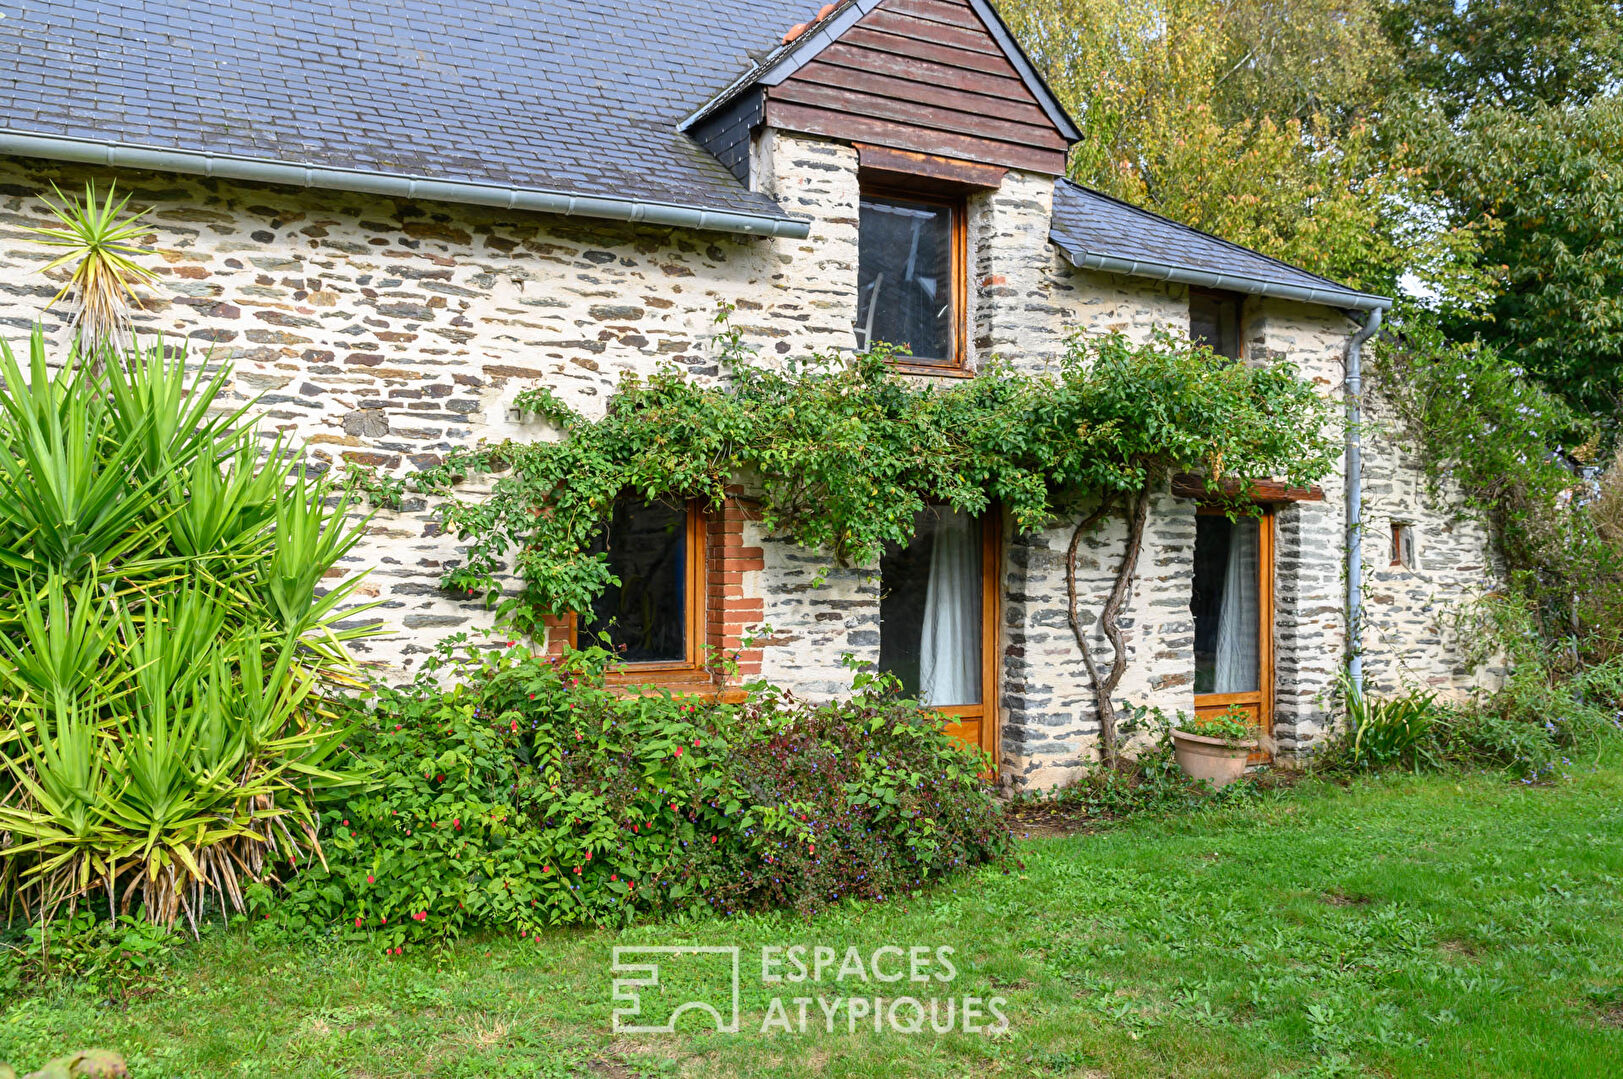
column 1403, row 927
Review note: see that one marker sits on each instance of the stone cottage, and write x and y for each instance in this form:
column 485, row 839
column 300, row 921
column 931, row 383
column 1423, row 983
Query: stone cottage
column 393, row 217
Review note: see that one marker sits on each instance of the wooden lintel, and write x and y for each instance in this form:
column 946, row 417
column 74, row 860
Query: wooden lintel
column 910, row 163
column 1190, row 485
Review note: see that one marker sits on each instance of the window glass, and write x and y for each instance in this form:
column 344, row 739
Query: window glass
column 930, row 609
column 645, row 615
column 1214, row 320
column 904, row 277
column 1403, row 545
column 1227, row 604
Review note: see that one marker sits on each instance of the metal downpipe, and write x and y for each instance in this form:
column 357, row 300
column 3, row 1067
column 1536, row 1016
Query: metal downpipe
column 1355, row 499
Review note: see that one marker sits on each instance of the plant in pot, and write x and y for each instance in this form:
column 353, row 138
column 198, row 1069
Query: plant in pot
column 1214, row 748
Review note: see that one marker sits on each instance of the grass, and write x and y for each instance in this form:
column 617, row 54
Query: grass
column 1434, row 926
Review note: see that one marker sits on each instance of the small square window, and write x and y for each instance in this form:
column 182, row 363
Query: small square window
column 1214, row 320
column 910, row 276
column 1403, row 545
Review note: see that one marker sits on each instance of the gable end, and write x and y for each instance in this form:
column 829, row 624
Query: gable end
column 928, row 76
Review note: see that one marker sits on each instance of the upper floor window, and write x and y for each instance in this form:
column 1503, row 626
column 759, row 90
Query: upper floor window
column 654, row 616
column 911, row 275
column 1214, row 320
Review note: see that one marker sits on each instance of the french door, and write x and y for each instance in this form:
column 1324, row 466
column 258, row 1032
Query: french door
column 1233, row 609
column 938, row 617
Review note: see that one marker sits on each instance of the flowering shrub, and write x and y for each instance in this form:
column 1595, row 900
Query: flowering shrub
column 530, row 794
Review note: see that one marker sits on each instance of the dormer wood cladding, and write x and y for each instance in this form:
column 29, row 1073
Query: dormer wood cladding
column 925, row 76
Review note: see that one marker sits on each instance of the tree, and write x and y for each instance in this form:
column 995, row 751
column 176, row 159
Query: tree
column 1551, row 183
column 1251, row 120
column 1506, row 54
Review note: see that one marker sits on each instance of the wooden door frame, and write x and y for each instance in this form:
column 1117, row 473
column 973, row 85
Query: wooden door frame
column 987, row 712
column 1263, row 695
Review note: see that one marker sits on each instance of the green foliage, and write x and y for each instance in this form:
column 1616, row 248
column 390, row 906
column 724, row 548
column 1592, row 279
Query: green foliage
column 113, row 956
column 844, row 451
column 1150, row 781
column 530, row 794
column 1392, row 732
column 167, row 639
column 1493, row 434
column 1231, row 725
column 1260, row 122
column 1551, row 181
column 1505, row 54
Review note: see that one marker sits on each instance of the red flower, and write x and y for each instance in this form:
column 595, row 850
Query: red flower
column 457, row 824
column 695, row 743
column 369, row 879
column 385, row 919
column 577, row 871
column 678, row 751
column 588, row 856
column 614, row 876
column 712, row 839
column 511, row 644
column 357, row 923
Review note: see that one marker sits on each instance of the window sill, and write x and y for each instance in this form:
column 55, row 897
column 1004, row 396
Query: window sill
column 934, row 370
column 707, row 691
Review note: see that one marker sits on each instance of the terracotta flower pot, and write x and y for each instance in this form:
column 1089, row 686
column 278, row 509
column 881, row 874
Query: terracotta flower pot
column 1212, row 759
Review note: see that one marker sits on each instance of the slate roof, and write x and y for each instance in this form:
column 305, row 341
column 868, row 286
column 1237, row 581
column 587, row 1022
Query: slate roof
column 1095, row 231
column 574, row 96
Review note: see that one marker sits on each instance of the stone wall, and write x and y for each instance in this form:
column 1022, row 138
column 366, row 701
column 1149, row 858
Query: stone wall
column 1413, row 614
column 386, row 332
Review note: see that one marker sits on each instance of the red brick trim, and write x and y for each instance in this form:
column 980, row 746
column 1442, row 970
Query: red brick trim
column 730, row 615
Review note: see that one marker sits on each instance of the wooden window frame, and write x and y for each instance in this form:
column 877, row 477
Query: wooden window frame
column 1402, row 530
column 957, row 203
column 692, row 669
column 1263, row 695
column 986, row 714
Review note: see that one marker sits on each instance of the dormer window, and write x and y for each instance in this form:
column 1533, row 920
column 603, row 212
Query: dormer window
column 911, row 276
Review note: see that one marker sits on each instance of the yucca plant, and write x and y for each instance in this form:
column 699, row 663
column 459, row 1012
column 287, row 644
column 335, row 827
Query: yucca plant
column 97, row 238
column 167, row 646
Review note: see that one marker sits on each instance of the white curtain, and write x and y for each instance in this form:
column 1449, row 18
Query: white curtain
column 950, row 649
column 1237, row 623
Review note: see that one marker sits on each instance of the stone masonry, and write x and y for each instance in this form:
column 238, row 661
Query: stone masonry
column 387, row 332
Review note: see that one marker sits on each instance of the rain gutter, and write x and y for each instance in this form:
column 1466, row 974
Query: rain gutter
column 392, row 185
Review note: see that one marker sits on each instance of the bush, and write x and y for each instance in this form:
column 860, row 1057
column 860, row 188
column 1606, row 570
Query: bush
column 529, row 794
column 1392, row 732
column 167, row 642
column 114, row 955
column 1530, row 726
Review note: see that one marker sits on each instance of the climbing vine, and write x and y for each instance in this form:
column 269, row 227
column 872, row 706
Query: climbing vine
column 841, row 452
